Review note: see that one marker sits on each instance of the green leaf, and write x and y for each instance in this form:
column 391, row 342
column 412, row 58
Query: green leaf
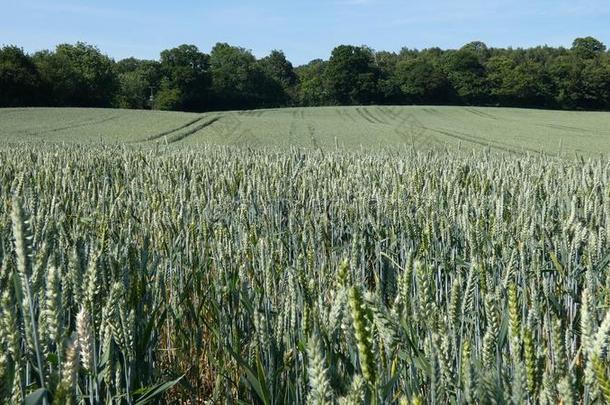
column 38, row 397
column 151, row 393
column 386, row 389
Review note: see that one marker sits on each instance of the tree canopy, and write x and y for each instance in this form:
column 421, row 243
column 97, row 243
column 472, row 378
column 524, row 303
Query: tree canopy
column 77, row 76
column 19, row 78
column 231, row 77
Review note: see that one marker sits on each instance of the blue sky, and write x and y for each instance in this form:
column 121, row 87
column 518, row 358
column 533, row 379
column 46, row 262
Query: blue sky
column 304, row 30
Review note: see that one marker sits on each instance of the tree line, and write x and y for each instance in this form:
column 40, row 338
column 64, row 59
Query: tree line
column 229, row 77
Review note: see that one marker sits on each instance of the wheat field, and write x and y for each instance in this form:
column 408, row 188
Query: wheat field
column 222, row 274
column 566, row 134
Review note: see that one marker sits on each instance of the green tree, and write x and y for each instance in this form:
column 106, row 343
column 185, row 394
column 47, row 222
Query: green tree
column 524, row 84
column 78, row 75
column 351, row 76
column 310, row 87
column 186, row 73
column 237, row 79
column 596, row 84
column 168, row 97
column 136, row 78
column 280, row 72
column 479, row 49
column 20, row 83
column 389, row 89
column 582, row 83
column 422, row 81
column 588, row 47
column 466, row 74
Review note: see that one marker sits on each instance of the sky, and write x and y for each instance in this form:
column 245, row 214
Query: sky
column 304, row 30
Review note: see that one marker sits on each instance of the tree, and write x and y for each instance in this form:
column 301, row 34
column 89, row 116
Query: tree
column 588, row 47
column 351, row 76
column 281, row 76
column 467, row 76
column 20, row 82
column 582, row 83
column 235, row 78
column 479, row 49
column 595, row 85
column 136, row 77
column 422, row 81
column 168, row 97
column 519, row 84
column 310, row 88
column 78, row 75
column 186, row 72
column 232, row 78
column 389, row 89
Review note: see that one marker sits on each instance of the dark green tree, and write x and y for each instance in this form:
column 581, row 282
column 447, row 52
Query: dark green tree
column 595, row 85
column 234, row 76
column 78, row 75
column 168, row 97
column 351, row 76
column 588, row 47
column 479, row 49
column 525, row 84
column 280, row 72
column 422, row 81
column 310, row 87
column 20, row 83
column 466, row 74
column 389, row 88
column 136, row 78
column 186, row 73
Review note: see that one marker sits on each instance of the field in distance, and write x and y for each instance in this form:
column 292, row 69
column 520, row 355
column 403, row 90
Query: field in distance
column 518, row 130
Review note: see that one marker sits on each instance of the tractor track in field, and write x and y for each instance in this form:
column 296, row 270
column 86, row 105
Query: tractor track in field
column 480, row 113
column 79, row 125
column 480, row 142
column 172, row 131
column 347, row 113
column 363, row 116
column 572, row 129
column 230, row 128
column 367, row 116
column 373, row 114
column 11, row 110
column 376, row 115
column 388, row 114
column 412, row 131
column 193, row 130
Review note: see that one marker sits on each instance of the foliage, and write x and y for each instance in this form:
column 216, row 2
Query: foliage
column 236, row 77
column 19, row 79
column 186, row 77
column 137, row 79
column 281, row 78
column 351, row 76
column 232, row 78
column 467, row 75
column 311, row 90
column 78, row 75
column 421, row 81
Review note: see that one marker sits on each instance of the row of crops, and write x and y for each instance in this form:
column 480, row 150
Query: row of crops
column 557, row 133
column 263, row 276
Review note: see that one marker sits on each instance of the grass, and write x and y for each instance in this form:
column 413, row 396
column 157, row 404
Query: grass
column 504, row 129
